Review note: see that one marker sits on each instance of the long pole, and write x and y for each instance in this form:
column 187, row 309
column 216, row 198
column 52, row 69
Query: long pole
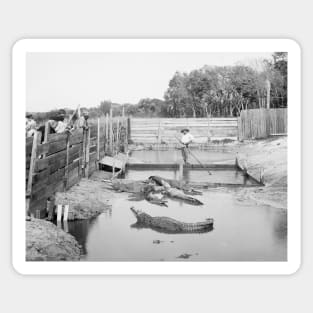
column 193, row 156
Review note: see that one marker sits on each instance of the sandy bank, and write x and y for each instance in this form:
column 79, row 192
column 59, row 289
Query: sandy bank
column 88, row 198
column 46, row 242
column 271, row 155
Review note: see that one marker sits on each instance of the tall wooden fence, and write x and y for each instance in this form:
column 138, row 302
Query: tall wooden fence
column 63, row 159
column 261, row 123
column 164, row 130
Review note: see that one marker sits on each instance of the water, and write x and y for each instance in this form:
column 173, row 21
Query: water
column 175, row 156
column 243, row 230
column 200, row 176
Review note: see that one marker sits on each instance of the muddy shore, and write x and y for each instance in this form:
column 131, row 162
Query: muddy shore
column 89, row 198
column 271, row 156
column 46, row 242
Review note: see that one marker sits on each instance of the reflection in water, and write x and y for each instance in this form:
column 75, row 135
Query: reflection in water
column 163, row 231
column 280, row 226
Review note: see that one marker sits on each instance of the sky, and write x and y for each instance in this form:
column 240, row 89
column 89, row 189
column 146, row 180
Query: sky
column 59, row 80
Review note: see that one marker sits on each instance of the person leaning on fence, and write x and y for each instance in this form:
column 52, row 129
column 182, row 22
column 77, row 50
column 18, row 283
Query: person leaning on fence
column 82, row 122
column 185, row 140
column 30, row 125
column 57, row 125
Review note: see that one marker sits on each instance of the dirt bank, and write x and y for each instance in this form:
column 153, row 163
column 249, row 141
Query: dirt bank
column 271, row 155
column 88, row 198
column 46, row 242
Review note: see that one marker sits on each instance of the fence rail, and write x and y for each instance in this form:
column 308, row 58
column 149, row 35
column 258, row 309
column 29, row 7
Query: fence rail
column 164, row 130
column 63, row 159
column 261, row 123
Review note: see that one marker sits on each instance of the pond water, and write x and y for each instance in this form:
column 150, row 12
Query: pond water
column 243, row 230
column 226, row 176
column 175, row 156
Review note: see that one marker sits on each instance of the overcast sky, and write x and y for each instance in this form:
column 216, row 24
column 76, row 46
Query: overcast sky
column 58, row 80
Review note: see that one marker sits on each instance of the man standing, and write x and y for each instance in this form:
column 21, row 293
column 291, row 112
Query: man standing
column 185, row 140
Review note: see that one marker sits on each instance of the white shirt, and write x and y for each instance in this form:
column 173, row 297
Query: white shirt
column 187, row 138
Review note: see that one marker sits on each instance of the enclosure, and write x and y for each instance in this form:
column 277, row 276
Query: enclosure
column 243, row 230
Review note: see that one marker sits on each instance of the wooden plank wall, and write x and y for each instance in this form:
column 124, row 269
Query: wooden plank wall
column 261, row 123
column 60, row 161
column 164, row 130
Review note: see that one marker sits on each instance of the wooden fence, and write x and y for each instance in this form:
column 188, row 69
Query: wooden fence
column 261, row 123
column 164, row 130
column 61, row 160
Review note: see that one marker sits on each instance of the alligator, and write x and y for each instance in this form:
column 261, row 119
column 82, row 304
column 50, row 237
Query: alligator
column 174, row 192
column 169, row 225
column 175, row 184
column 153, row 194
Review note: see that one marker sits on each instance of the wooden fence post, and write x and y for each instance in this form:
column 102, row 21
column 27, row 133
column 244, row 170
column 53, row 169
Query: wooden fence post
column 87, row 153
column 66, row 180
column 47, row 130
column 84, row 153
column 106, row 132
column 268, row 94
column 111, row 131
column 36, row 140
column 98, row 143
column 117, row 143
column 128, row 129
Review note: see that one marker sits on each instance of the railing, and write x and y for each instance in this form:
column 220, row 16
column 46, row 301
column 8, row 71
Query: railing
column 164, row 130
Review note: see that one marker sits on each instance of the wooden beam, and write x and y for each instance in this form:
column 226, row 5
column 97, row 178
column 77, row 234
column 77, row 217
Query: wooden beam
column 98, row 140
column 36, row 139
column 66, row 209
column 111, row 131
column 59, row 212
column 146, row 166
column 87, row 153
column 67, row 162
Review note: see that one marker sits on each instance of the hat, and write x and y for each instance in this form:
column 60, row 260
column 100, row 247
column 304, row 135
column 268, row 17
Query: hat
column 29, row 115
column 184, row 130
column 61, row 112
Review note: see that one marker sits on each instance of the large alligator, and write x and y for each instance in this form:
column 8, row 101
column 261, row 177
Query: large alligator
column 174, row 192
column 168, row 225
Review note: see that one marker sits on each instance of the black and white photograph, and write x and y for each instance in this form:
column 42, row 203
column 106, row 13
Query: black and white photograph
column 156, row 156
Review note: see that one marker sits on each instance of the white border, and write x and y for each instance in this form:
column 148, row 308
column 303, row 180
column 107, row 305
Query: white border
column 156, row 45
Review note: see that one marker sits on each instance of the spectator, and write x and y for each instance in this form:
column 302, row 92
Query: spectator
column 30, row 125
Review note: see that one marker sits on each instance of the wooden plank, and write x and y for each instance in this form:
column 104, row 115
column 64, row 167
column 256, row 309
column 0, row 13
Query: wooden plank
column 56, row 160
column 111, row 131
column 152, row 166
column 98, row 140
column 37, row 205
column 87, row 153
column 110, row 161
column 51, row 147
column 66, row 209
column 47, row 191
column 59, row 212
column 56, row 137
column 36, row 139
column 67, row 161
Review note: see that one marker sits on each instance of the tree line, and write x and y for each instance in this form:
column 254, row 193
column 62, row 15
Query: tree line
column 210, row 91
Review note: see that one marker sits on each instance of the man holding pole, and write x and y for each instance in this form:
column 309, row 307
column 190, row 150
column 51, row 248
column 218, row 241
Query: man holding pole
column 185, row 140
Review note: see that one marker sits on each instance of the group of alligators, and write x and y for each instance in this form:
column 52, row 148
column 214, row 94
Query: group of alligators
column 156, row 191
column 160, row 188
